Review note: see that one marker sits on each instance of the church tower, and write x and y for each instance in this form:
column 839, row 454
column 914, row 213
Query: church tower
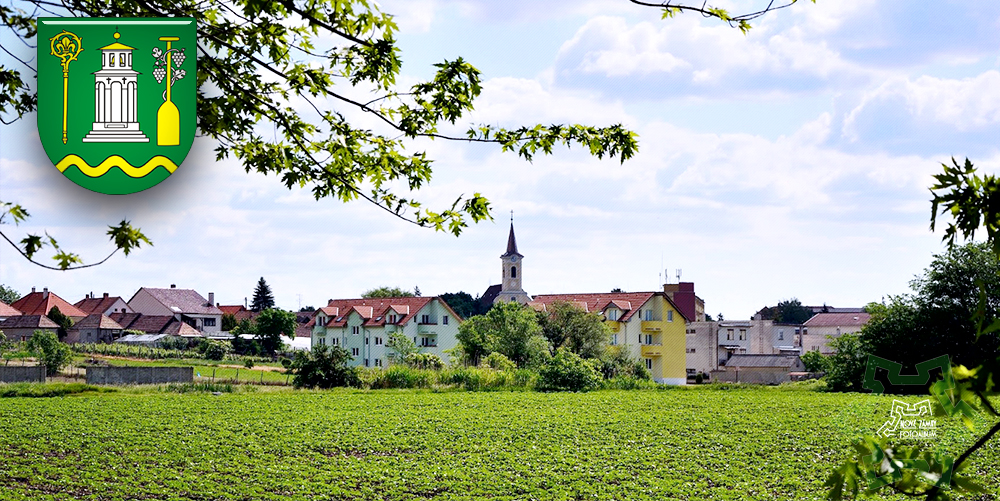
column 512, row 262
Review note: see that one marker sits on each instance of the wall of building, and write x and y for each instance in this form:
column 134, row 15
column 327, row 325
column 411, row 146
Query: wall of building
column 702, row 347
column 752, row 375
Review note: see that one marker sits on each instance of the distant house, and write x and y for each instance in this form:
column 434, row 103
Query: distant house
column 757, row 337
column 105, row 305
column 238, row 311
column 647, row 325
column 362, row 326
column 94, row 328
column 821, row 325
column 185, row 305
column 155, row 324
column 7, row 311
column 21, row 327
column 759, row 369
column 41, row 303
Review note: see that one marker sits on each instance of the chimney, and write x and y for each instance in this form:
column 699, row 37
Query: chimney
column 45, row 292
column 173, row 286
column 211, row 298
column 32, row 290
column 105, row 295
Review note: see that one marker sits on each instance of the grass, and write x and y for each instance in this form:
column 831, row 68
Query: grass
column 746, row 443
column 40, row 390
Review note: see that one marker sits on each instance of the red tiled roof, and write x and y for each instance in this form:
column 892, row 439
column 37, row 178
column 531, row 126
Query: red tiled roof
column 374, row 310
column 599, row 301
column 838, row 320
column 96, row 304
column 184, row 300
column 40, row 303
column 152, row 324
column 97, row 321
column 28, row 322
column 7, row 310
column 238, row 311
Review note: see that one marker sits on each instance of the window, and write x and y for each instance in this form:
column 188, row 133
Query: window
column 781, row 334
column 743, row 334
column 513, row 299
column 689, row 350
column 112, row 61
column 356, row 330
column 613, row 315
column 444, row 320
column 378, row 340
column 392, row 319
column 649, row 364
column 366, row 340
column 649, row 315
column 336, row 341
column 425, row 319
column 513, row 272
column 209, row 322
column 121, row 59
column 321, row 341
column 614, row 339
column 670, row 316
column 366, row 362
column 355, row 352
column 378, row 362
column 729, row 334
column 649, row 339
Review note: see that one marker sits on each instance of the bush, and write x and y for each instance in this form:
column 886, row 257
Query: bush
column 213, row 350
column 323, row 367
column 52, row 353
column 847, row 364
column 423, row 361
column 568, row 372
column 41, row 390
column 617, row 363
column 628, row 383
column 398, row 376
column 499, row 361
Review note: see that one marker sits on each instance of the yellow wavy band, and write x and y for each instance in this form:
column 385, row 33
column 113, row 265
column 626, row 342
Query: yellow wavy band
column 115, row 161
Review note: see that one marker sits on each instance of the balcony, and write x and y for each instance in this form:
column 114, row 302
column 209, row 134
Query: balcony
column 427, row 329
column 652, row 326
column 652, row 350
column 614, row 325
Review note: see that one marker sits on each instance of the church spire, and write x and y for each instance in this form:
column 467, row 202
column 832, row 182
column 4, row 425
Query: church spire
column 511, row 242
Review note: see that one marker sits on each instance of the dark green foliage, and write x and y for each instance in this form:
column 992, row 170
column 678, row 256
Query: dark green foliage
column 198, row 388
column 323, row 367
column 64, row 322
column 174, row 343
column 499, row 361
column 8, row 294
column 789, row 311
column 399, row 347
column 42, row 390
column 847, row 364
column 973, row 201
column 262, row 297
column 566, row 371
column 424, row 361
column 228, row 322
column 271, row 325
column 566, row 325
column 385, row 291
column 508, row 328
column 815, row 361
column 50, row 352
column 617, row 363
column 212, row 349
column 463, row 303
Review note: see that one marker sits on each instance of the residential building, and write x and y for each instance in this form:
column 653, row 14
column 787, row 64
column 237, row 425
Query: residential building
column 7, row 311
column 94, row 328
column 821, row 325
column 363, row 326
column 682, row 294
column 104, row 305
column 21, row 327
column 702, row 347
column 41, row 303
column 155, row 324
column 646, row 325
column 185, row 305
column 759, row 369
column 238, row 311
column 757, row 337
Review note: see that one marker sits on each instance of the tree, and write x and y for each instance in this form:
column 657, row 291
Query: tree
column 508, row 328
column 323, row 367
column 788, row 311
column 566, row 325
column 617, row 290
column 567, row 371
column 254, row 58
column 416, row 290
column 64, row 322
column 228, row 322
column 46, row 347
column 847, row 363
column 815, row 361
column 401, row 346
column 463, row 303
column 273, row 323
column 8, row 294
column 741, row 21
column 262, row 297
column 385, row 291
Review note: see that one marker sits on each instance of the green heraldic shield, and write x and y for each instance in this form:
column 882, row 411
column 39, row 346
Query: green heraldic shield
column 116, row 99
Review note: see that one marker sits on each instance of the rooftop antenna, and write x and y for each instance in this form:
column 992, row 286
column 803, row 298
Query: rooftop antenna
column 678, row 275
column 512, row 217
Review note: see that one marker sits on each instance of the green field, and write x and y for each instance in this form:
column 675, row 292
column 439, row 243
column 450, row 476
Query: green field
column 404, row 445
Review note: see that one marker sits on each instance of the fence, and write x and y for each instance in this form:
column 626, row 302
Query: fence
column 22, row 374
column 139, row 375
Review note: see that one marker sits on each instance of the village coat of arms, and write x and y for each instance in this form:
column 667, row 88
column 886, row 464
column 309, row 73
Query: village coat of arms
column 116, row 99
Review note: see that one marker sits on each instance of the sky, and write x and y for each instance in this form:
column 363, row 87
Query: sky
column 792, row 162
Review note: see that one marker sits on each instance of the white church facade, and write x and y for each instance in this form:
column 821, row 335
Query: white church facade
column 115, row 97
